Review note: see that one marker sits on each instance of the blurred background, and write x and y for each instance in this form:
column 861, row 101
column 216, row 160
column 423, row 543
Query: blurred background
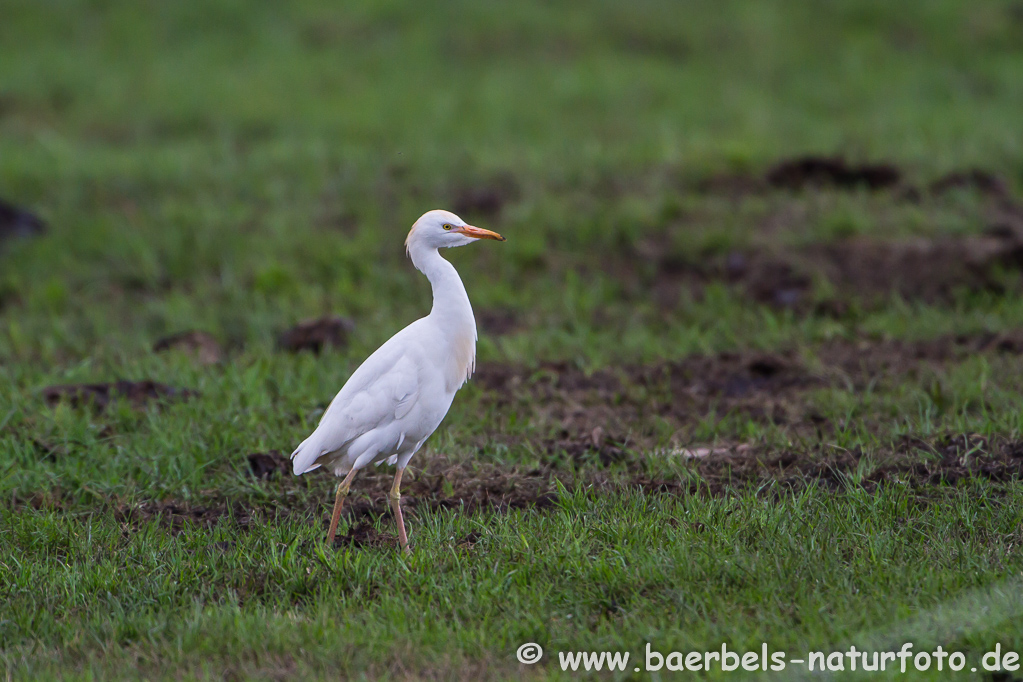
column 236, row 166
column 752, row 344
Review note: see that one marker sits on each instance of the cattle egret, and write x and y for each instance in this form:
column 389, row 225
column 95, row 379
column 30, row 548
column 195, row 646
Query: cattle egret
column 399, row 396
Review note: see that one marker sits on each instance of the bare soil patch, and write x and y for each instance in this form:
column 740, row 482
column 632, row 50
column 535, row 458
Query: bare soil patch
column 441, row 484
column 315, row 335
column 920, row 465
column 833, row 278
column 678, row 388
column 444, row 484
column 267, row 465
column 831, row 171
column 586, row 448
column 971, row 178
column 179, row 516
column 601, row 415
column 732, row 375
column 363, row 534
column 139, row 393
column 203, row 346
column 813, row 172
column 953, row 458
column 866, row 359
column 629, row 398
column 917, row 463
column 18, row 222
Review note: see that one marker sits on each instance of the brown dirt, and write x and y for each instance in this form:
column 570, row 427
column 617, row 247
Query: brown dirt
column 469, row 540
column 585, row 447
column 755, row 383
column 203, row 346
column 820, row 171
column 442, row 484
column 726, row 374
column 866, row 359
column 835, row 172
column 268, row 465
column 178, row 515
column 859, row 271
column 917, row 463
column 926, row 270
column 17, row 222
column 364, row 534
column 602, row 415
column 315, row 335
column 577, row 403
column 138, row 393
column 806, row 172
column 856, row 271
column 956, row 457
column 920, row 465
column 972, row 178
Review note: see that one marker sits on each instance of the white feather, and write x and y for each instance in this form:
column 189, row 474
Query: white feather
column 397, row 398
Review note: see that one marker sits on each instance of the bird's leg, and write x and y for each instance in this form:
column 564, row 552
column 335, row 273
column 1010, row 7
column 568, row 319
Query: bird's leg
column 339, row 500
column 395, row 499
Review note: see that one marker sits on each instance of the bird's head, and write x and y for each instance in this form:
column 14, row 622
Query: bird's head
column 443, row 229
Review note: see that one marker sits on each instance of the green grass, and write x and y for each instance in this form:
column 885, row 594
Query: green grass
column 597, row 573
column 236, row 167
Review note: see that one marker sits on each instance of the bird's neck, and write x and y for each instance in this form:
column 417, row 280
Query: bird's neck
column 450, row 300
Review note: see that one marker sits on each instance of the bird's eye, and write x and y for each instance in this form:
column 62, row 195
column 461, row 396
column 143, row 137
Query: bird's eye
column 447, row 227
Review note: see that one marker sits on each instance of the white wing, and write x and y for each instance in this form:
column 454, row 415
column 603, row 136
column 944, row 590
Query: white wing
column 383, row 389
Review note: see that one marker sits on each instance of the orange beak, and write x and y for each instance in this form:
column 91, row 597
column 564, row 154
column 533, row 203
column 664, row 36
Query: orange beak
column 478, row 233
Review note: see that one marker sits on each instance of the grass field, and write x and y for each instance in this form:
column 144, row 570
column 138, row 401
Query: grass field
column 750, row 362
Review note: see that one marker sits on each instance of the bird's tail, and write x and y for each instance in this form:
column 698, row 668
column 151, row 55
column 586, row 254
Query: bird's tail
column 305, row 456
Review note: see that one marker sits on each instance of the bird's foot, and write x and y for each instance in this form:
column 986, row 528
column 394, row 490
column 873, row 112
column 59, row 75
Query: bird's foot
column 339, row 501
column 395, row 500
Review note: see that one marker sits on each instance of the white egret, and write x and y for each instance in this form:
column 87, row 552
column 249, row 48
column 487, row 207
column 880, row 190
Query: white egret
column 400, row 394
